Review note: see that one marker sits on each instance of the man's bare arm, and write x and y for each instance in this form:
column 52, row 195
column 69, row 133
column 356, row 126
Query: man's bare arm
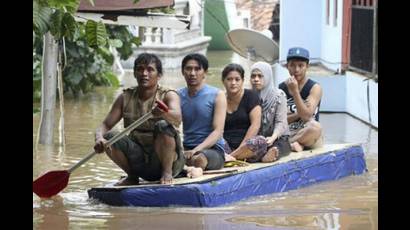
column 173, row 115
column 218, row 123
column 306, row 109
column 112, row 118
column 292, row 117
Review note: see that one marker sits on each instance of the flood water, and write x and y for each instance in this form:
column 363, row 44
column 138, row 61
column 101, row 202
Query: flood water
column 348, row 203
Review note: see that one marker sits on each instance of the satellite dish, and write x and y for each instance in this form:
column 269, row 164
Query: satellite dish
column 253, row 45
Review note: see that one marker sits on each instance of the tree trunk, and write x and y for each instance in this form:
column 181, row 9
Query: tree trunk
column 48, row 89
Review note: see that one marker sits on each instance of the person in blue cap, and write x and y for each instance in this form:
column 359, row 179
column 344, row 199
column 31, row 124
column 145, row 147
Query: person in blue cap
column 303, row 101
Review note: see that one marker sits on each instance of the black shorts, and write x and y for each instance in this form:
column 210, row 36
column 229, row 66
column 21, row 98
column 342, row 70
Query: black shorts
column 143, row 160
column 283, row 145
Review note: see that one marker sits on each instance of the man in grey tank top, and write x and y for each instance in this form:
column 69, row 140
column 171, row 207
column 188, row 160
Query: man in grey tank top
column 303, row 100
column 152, row 151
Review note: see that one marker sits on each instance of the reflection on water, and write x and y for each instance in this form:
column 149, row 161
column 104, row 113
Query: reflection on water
column 348, row 203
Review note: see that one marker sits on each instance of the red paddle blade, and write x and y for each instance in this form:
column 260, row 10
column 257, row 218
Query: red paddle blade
column 51, row 183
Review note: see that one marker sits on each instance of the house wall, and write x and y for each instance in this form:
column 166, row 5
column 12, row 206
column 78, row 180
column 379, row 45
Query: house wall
column 232, row 15
column 331, row 46
column 334, row 93
column 348, row 93
column 324, row 41
column 357, row 103
column 303, row 23
column 299, row 20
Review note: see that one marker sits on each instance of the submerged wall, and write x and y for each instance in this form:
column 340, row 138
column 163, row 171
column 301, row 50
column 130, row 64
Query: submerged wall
column 334, row 93
column 362, row 96
column 351, row 93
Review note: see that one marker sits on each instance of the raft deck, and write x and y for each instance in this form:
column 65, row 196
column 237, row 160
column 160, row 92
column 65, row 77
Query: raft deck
column 296, row 170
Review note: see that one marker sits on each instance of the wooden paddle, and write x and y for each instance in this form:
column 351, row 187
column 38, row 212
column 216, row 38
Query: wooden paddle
column 53, row 182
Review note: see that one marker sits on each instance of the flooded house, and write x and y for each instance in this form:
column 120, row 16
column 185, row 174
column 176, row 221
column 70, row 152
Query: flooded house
column 172, row 44
column 342, row 39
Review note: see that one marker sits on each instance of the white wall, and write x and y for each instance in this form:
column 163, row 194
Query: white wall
column 300, row 22
column 348, row 93
column 334, row 93
column 331, row 50
column 280, row 74
column 232, row 15
column 356, row 99
column 303, row 23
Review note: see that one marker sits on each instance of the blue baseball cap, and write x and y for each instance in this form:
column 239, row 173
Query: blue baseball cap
column 298, row 53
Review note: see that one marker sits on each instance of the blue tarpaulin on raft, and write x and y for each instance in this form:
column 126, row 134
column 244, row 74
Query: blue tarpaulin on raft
column 276, row 178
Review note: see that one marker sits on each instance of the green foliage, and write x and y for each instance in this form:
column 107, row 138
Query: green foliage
column 136, row 41
column 89, row 59
column 41, row 17
column 96, row 34
column 69, row 26
column 106, row 55
column 86, row 66
column 112, row 78
column 116, row 43
column 63, row 25
column 165, row 10
column 122, row 34
column 69, row 6
column 55, row 16
column 55, row 24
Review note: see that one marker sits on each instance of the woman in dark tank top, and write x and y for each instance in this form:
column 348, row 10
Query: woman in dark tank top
column 243, row 116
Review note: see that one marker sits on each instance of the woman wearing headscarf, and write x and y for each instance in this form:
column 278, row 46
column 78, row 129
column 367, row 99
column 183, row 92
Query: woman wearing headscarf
column 273, row 139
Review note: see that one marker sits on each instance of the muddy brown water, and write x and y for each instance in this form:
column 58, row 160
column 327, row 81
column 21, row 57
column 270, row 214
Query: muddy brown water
column 347, row 203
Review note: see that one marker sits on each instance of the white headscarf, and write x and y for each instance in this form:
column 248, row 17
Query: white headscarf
column 269, row 95
column 268, row 85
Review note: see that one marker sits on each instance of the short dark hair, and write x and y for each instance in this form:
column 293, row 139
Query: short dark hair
column 201, row 59
column 233, row 67
column 148, row 58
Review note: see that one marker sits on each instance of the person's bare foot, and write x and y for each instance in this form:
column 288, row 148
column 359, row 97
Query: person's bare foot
column 127, row 181
column 228, row 157
column 166, row 178
column 194, row 172
column 243, row 152
column 271, row 156
column 296, row 147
